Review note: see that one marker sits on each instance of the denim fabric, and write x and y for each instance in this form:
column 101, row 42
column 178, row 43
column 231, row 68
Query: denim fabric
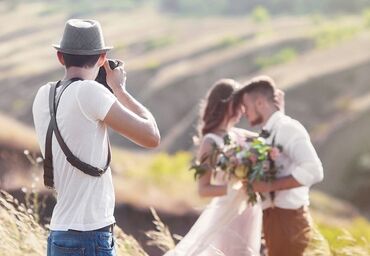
column 72, row 243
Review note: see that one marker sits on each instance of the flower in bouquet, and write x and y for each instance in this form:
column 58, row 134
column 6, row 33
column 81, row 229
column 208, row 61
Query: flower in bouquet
column 249, row 161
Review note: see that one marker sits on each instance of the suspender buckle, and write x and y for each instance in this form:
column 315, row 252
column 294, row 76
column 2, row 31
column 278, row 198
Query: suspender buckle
column 100, row 171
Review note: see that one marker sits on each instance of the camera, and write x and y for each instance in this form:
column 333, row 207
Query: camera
column 102, row 75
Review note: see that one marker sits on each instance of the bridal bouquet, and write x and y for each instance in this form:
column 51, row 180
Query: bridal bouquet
column 251, row 160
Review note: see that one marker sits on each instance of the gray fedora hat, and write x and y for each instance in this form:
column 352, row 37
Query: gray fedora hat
column 82, row 37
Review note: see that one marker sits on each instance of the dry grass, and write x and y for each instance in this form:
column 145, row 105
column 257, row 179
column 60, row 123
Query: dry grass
column 20, row 234
column 17, row 135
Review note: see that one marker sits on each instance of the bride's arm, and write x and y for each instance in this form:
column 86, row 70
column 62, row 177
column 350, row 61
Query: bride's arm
column 205, row 188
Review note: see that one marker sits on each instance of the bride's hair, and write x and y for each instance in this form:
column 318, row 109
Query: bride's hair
column 216, row 104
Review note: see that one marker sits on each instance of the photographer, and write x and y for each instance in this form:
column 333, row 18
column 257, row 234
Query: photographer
column 71, row 119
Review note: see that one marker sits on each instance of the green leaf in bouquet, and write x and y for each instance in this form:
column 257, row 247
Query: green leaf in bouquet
column 213, row 155
column 199, row 169
column 257, row 147
column 252, row 196
column 227, row 139
column 280, row 147
column 257, row 142
column 262, row 196
column 261, row 157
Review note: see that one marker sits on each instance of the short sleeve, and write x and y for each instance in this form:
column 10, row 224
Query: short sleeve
column 95, row 100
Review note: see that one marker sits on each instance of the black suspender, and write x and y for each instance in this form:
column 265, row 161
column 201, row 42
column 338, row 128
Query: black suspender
column 53, row 128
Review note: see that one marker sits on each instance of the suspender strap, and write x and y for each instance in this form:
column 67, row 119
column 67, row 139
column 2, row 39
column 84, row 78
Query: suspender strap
column 53, row 127
column 48, row 161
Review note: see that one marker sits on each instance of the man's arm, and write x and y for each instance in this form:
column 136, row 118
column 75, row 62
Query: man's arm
column 127, row 116
column 278, row 184
column 308, row 168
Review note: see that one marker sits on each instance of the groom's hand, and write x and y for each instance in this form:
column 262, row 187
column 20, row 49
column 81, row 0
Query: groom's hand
column 262, row 186
column 279, row 99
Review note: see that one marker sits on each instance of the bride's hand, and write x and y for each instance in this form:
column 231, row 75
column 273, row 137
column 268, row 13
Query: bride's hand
column 274, row 153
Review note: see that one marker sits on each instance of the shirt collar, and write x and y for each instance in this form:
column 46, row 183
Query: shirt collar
column 272, row 120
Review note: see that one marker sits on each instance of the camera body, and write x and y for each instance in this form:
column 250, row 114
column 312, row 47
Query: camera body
column 102, row 75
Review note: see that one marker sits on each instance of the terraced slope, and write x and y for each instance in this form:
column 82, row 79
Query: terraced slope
column 172, row 61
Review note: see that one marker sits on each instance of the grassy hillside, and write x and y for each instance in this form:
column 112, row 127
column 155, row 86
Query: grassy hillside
column 159, row 175
column 172, row 60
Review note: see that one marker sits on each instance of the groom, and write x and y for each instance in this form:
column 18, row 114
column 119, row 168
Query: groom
column 286, row 220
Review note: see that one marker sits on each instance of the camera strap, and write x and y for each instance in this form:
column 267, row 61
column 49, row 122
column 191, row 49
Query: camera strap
column 53, row 128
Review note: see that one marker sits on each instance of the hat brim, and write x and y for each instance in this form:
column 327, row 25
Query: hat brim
column 83, row 52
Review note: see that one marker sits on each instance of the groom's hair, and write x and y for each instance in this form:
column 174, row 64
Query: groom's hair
column 259, row 86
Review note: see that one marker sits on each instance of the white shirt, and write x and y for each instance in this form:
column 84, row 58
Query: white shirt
column 298, row 159
column 83, row 202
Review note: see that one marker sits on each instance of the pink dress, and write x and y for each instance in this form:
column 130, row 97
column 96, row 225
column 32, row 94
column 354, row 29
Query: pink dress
column 228, row 226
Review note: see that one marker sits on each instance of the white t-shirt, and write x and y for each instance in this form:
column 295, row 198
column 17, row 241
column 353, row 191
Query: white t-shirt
column 83, row 202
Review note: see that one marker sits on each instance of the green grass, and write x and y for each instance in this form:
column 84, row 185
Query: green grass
column 331, row 34
column 158, row 42
column 260, row 15
column 283, row 56
column 230, row 41
column 87, row 7
column 152, row 64
column 366, row 17
column 352, row 240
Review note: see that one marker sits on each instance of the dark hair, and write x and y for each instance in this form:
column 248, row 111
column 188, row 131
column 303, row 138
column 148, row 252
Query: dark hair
column 71, row 60
column 215, row 106
column 262, row 86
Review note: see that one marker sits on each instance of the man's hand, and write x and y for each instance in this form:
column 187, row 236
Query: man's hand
column 116, row 78
column 274, row 153
column 262, row 186
column 279, row 98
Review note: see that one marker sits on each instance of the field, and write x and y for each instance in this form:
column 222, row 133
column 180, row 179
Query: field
column 172, row 57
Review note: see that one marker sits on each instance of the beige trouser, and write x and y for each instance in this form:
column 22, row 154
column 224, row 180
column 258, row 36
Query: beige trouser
column 287, row 232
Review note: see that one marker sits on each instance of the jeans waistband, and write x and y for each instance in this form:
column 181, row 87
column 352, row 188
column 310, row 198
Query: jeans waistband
column 108, row 228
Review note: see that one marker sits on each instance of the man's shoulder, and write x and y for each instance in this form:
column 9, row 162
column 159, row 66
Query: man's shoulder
column 42, row 93
column 291, row 126
column 91, row 87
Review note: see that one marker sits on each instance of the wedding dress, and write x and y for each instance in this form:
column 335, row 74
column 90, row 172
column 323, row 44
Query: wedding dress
column 228, row 226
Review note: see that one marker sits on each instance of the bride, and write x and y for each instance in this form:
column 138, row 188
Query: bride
column 228, row 226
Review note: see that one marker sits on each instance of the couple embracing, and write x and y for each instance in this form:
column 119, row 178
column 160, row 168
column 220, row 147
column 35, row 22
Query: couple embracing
column 228, row 225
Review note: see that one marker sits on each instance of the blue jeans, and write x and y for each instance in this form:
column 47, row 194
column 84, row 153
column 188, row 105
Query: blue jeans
column 72, row 243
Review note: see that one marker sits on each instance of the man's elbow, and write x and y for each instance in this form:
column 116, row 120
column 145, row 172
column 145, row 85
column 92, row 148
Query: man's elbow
column 319, row 175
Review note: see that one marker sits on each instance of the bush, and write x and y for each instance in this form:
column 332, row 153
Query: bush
column 260, row 14
column 366, row 17
column 159, row 42
column 331, row 34
column 167, row 167
column 283, row 56
column 230, row 41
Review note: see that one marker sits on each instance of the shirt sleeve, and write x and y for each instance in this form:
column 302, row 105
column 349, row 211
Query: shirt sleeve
column 308, row 168
column 95, row 100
